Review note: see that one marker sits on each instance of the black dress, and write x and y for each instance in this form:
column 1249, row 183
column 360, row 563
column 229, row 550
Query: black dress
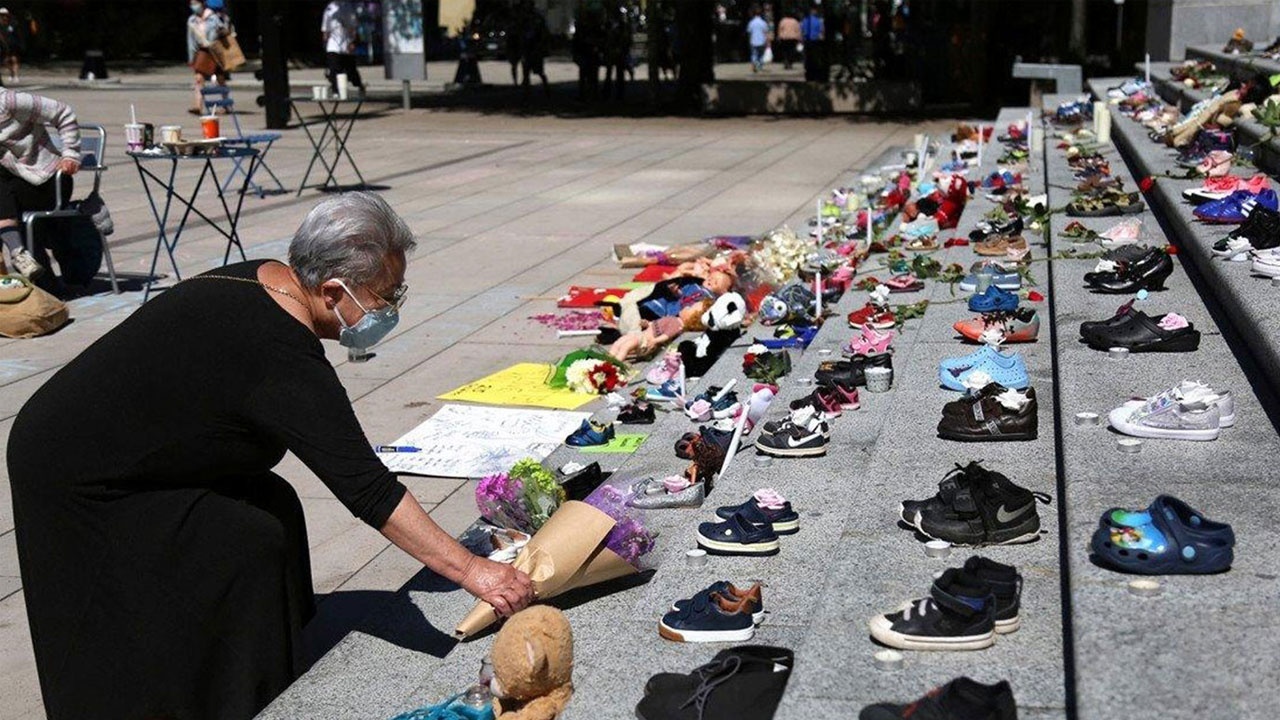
column 165, row 567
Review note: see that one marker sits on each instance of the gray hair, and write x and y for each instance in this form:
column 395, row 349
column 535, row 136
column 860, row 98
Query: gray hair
column 349, row 236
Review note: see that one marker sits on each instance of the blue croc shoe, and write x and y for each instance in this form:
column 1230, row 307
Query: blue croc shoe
column 737, row 536
column 1169, row 538
column 993, row 300
column 590, row 433
column 668, row 391
column 983, row 367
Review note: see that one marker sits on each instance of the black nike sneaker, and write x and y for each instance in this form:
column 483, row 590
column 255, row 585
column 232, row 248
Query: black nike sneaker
column 959, row 614
column 960, row 699
column 952, row 482
column 990, row 510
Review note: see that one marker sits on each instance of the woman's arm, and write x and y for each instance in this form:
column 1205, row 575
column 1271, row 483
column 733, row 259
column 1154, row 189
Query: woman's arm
column 507, row 589
column 37, row 109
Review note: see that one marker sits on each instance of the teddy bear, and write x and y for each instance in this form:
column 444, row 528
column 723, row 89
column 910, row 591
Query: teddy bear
column 532, row 665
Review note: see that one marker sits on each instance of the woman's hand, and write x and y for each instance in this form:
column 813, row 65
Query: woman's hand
column 69, row 166
column 507, row 589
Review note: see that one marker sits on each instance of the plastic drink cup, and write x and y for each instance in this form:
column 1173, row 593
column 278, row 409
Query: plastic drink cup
column 317, row 92
column 209, row 123
column 133, row 136
column 342, row 86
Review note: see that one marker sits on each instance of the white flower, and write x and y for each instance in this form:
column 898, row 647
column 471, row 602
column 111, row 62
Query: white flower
column 577, row 375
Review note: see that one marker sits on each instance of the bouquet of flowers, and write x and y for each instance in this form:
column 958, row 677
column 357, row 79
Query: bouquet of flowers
column 584, row 543
column 589, row 370
column 594, row 377
column 522, row 499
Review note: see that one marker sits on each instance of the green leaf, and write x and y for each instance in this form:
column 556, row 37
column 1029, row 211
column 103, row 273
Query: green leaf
column 1274, row 80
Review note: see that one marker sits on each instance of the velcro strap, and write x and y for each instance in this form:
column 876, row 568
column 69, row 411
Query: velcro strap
column 965, row 606
column 977, row 411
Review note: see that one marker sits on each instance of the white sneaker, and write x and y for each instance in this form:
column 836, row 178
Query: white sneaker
column 24, row 264
column 1267, row 262
column 1195, row 391
column 1237, row 250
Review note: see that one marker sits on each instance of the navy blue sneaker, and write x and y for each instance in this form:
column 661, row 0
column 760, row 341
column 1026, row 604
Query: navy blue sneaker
column 590, row 433
column 775, row 512
column 753, row 595
column 993, row 300
column 959, row 614
column 668, row 391
column 709, row 618
column 737, row 536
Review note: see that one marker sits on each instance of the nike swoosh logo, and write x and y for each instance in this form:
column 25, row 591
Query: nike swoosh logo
column 793, row 442
column 1005, row 517
column 957, row 372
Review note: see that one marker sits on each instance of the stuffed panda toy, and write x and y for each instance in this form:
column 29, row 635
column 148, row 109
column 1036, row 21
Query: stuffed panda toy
column 723, row 320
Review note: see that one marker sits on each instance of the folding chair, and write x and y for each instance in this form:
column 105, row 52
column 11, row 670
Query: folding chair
column 219, row 96
column 93, row 148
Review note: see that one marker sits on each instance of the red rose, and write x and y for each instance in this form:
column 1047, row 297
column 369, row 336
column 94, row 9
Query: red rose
column 1034, row 296
column 1146, row 183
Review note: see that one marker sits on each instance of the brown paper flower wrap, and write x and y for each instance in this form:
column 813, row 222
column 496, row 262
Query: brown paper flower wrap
column 568, row 552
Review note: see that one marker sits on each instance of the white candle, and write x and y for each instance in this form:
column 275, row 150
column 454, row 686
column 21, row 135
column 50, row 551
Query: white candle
column 1102, row 118
column 817, row 294
column 1147, row 67
column 980, row 144
column 818, row 204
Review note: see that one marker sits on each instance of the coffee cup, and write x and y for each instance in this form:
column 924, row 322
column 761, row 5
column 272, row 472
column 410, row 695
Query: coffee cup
column 343, row 84
column 133, row 136
column 170, row 133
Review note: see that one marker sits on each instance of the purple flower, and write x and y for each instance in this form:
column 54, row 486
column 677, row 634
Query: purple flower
column 629, row 538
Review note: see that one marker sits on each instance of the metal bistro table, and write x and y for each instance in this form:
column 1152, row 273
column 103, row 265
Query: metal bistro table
column 335, row 132
column 169, row 240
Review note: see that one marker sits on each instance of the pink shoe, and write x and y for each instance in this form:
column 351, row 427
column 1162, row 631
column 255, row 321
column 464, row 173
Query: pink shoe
column 1222, row 184
column 1124, row 232
column 1216, row 164
column 904, row 283
column 1256, row 184
column 667, row 368
column 848, row 397
column 869, row 342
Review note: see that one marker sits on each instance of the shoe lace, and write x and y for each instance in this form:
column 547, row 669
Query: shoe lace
column 712, row 675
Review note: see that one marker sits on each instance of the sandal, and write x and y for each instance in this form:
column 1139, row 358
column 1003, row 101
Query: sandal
column 869, row 342
column 1168, row 538
column 904, row 283
column 1108, row 205
column 924, row 245
column 1000, row 245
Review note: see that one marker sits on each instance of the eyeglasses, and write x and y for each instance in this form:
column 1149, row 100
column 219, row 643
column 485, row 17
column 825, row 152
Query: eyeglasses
column 397, row 296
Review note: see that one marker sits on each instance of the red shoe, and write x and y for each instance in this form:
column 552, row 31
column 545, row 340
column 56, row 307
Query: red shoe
column 878, row 318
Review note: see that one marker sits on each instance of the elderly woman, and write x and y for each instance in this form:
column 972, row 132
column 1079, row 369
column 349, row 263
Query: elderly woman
column 165, row 566
column 29, row 166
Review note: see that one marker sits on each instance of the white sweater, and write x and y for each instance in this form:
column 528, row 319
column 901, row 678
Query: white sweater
column 26, row 150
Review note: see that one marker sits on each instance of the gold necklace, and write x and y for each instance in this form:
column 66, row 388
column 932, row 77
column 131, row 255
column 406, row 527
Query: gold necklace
column 272, row 288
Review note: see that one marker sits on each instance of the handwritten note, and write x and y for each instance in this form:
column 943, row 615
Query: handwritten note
column 470, row 441
column 521, row 384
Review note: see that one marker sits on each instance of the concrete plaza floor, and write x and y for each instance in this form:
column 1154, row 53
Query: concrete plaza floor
column 509, row 211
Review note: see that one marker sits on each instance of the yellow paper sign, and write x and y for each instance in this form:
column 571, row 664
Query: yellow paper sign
column 521, row 384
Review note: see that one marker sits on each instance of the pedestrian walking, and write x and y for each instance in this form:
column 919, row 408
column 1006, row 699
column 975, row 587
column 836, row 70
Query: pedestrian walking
column 588, row 37
column 340, row 27
column 203, row 27
column 758, row 36
column 514, row 37
column 617, row 55
column 12, row 43
column 813, row 33
column 788, row 40
column 533, row 45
